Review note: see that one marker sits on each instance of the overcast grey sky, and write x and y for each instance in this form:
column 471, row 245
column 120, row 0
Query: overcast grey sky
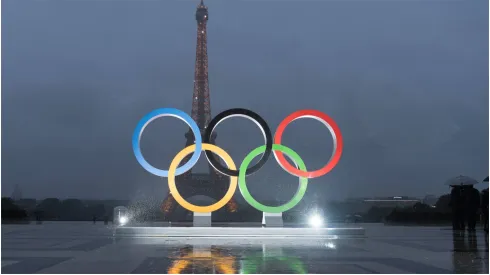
column 406, row 81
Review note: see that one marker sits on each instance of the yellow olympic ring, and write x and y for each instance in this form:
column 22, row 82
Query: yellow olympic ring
column 175, row 193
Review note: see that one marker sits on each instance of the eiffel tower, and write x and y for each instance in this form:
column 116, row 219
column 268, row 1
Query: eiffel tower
column 213, row 184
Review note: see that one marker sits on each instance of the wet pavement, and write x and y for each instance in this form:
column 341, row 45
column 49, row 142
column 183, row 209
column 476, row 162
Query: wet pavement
column 86, row 248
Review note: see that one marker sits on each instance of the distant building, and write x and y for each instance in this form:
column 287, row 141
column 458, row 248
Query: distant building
column 395, row 201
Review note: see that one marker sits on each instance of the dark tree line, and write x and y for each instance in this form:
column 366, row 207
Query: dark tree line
column 419, row 214
column 423, row 214
column 55, row 209
column 11, row 212
column 70, row 210
column 77, row 210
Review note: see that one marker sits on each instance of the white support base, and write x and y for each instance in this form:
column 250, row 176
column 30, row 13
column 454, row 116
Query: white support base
column 245, row 233
column 272, row 219
column 202, row 219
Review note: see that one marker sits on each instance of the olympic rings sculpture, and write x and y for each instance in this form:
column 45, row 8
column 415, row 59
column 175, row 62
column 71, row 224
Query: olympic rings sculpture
column 237, row 177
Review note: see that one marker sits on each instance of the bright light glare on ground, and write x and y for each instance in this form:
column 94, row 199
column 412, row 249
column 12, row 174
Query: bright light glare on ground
column 316, row 221
column 123, row 220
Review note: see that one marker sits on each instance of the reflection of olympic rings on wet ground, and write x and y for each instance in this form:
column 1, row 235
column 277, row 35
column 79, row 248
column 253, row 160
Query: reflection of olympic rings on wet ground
column 225, row 264
column 251, row 265
column 274, row 146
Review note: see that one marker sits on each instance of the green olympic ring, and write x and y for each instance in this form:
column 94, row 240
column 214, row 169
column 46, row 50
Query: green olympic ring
column 303, row 182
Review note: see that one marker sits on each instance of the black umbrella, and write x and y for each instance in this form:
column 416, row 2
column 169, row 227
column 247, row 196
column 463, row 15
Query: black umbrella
column 461, row 181
column 486, row 179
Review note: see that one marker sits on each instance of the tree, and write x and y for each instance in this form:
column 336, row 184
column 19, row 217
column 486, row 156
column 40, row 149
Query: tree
column 51, row 208
column 8, row 204
column 10, row 211
column 377, row 214
column 442, row 204
column 97, row 210
column 72, row 209
column 421, row 207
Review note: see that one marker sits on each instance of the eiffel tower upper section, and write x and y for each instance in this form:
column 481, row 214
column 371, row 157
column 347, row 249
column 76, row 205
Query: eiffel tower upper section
column 201, row 103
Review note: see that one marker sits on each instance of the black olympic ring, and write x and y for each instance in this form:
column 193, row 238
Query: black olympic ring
column 246, row 114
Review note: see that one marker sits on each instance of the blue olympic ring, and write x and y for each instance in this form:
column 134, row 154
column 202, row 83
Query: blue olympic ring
column 161, row 113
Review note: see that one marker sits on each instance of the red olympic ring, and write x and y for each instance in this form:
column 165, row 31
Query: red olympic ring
column 337, row 140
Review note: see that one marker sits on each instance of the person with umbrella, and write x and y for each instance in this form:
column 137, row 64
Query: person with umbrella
column 457, row 207
column 484, row 206
column 472, row 205
column 460, row 201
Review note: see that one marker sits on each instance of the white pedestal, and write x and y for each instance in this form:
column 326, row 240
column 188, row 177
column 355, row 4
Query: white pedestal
column 272, row 219
column 202, row 219
column 245, row 233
